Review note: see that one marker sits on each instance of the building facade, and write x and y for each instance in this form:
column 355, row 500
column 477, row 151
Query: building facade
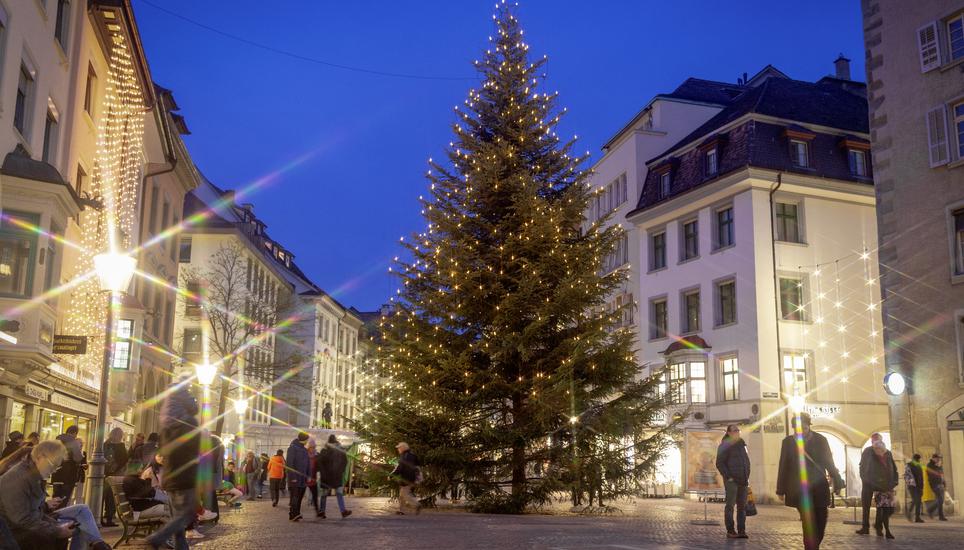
column 758, row 279
column 915, row 55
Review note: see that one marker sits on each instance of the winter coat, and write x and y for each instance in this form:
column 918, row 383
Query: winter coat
column 73, row 445
column 10, row 448
column 180, row 440
column 116, row 455
column 914, row 475
column 145, row 453
column 733, row 461
column 878, row 473
column 407, row 467
column 298, row 464
column 332, row 462
column 276, row 467
column 819, row 463
column 935, row 476
column 22, row 496
column 139, row 493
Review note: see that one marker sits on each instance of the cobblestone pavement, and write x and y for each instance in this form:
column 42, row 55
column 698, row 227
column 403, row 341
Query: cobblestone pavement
column 645, row 524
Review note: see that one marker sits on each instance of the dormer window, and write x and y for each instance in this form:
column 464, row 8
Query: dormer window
column 710, row 163
column 800, row 153
column 858, row 162
column 665, row 180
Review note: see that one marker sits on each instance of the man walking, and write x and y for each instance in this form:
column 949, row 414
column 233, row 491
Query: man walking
column 180, row 449
column 808, row 493
column 332, row 463
column 407, row 473
column 876, row 474
column 298, row 470
column 733, row 462
column 914, row 478
column 935, row 477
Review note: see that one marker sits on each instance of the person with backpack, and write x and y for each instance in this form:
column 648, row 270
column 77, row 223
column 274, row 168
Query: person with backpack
column 332, row 463
column 733, row 463
column 914, row 479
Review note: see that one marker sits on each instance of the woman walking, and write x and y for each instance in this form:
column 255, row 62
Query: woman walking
column 884, row 495
column 276, row 476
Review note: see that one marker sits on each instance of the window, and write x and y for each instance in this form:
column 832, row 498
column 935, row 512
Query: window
column 50, row 137
column 665, row 179
column 959, row 242
column 788, row 223
column 697, row 382
column 691, row 245
column 687, row 382
column 710, row 163
column 658, row 319
column 24, row 93
column 799, row 153
column 18, row 250
column 157, row 315
column 691, row 311
column 192, row 302
column 726, row 302
column 168, row 322
column 937, row 146
column 930, row 54
column 165, row 222
column 63, row 23
column 122, row 344
column 858, row 162
column 959, row 128
column 192, row 344
column 81, row 182
column 90, row 88
column 174, row 247
column 184, row 255
column 724, row 227
column 730, row 378
column 955, row 37
column 658, row 251
column 795, row 379
column 677, row 383
column 50, row 259
column 791, row 298
column 152, row 212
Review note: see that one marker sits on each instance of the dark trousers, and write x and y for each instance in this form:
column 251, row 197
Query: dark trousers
column 938, row 504
column 866, row 496
column 882, row 521
column 814, row 526
column 110, row 507
column 297, row 494
column 184, row 512
column 913, row 511
column 275, row 489
column 314, row 496
column 735, row 494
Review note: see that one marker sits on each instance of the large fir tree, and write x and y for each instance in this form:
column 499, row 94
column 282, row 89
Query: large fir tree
column 508, row 373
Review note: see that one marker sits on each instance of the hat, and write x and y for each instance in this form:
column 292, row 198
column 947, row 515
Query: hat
column 402, row 446
column 303, row 436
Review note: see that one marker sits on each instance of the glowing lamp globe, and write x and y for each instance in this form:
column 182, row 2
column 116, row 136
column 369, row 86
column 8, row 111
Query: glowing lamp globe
column 240, row 406
column 797, row 404
column 895, row 383
column 114, row 270
column 206, row 373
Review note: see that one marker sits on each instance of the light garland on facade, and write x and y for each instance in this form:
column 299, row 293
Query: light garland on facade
column 116, row 178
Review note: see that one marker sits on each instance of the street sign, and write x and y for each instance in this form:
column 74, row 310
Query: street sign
column 66, row 344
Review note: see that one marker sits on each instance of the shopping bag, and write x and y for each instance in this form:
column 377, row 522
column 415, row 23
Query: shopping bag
column 750, row 502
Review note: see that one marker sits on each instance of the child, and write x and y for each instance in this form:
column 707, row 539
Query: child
column 886, row 501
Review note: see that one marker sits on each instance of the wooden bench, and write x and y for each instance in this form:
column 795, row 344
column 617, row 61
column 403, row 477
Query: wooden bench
column 133, row 528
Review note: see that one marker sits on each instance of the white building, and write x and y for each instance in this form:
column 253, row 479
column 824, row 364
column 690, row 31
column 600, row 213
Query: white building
column 759, row 276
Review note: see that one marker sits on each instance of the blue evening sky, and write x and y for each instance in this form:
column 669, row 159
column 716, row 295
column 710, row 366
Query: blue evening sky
column 346, row 151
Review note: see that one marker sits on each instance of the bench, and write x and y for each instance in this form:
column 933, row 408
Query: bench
column 133, row 528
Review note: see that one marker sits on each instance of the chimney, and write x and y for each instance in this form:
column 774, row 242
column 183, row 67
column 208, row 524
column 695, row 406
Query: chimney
column 842, row 66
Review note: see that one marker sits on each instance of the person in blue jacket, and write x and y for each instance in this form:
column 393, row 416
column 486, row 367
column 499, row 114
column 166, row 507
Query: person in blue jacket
column 298, row 466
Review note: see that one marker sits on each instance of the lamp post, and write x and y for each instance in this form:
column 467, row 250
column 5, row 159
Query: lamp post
column 114, row 272
column 240, row 406
column 206, row 373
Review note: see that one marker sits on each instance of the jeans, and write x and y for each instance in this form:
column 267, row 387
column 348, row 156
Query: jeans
column 814, row 526
column 339, row 496
column 260, row 486
column 735, row 494
column 866, row 496
column 275, row 490
column 297, row 494
column 183, row 510
column 937, row 505
column 86, row 532
column 913, row 511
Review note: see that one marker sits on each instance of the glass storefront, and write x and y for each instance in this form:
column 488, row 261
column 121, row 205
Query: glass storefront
column 18, row 420
column 53, row 423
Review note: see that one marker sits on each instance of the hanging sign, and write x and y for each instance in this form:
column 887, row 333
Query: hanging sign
column 65, row 344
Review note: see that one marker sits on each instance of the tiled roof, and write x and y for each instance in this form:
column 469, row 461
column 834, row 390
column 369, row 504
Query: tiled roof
column 706, row 91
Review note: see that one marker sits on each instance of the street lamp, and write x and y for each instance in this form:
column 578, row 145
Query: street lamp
column 797, row 404
column 206, row 373
column 114, row 272
column 895, row 383
column 240, row 406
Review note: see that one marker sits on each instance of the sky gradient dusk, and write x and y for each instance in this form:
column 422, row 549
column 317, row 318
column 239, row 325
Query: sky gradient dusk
column 344, row 152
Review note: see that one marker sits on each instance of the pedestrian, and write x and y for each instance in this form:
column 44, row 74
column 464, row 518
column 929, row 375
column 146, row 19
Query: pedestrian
column 313, row 474
column 65, row 478
column 878, row 472
column 332, row 464
column 885, row 499
column 263, row 478
column 251, row 467
column 808, row 491
column 935, row 477
column 914, row 479
column 14, row 442
column 81, row 479
column 326, row 416
column 733, row 463
column 135, row 451
column 213, row 462
column 149, row 449
column 33, row 439
column 115, row 453
column 408, row 474
column 276, row 475
column 180, row 449
column 297, row 461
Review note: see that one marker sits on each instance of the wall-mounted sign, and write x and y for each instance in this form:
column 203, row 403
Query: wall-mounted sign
column 36, row 392
column 73, row 403
column 66, row 344
column 773, row 426
column 822, row 411
column 771, row 395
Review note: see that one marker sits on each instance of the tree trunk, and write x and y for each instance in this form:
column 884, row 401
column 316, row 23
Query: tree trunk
column 222, row 404
column 518, row 447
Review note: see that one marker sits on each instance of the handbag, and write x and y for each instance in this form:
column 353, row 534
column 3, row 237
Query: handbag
column 750, row 508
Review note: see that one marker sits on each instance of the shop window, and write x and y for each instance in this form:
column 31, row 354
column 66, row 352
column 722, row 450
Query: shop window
column 18, row 249
column 18, row 418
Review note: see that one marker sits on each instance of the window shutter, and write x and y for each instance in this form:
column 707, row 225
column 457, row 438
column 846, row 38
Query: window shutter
column 937, row 136
column 930, row 55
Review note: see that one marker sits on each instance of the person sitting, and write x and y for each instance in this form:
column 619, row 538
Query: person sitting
column 233, row 493
column 142, row 498
column 35, row 521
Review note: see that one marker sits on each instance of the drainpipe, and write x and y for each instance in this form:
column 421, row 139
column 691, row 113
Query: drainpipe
column 776, row 300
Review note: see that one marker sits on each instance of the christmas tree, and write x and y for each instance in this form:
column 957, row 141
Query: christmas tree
column 509, row 374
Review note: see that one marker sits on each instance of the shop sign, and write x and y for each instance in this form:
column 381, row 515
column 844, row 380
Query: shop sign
column 73, row 403
column 36, row 393
column 822, row 411
column 65, row 344
column 771, row 395
column 773, row 426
